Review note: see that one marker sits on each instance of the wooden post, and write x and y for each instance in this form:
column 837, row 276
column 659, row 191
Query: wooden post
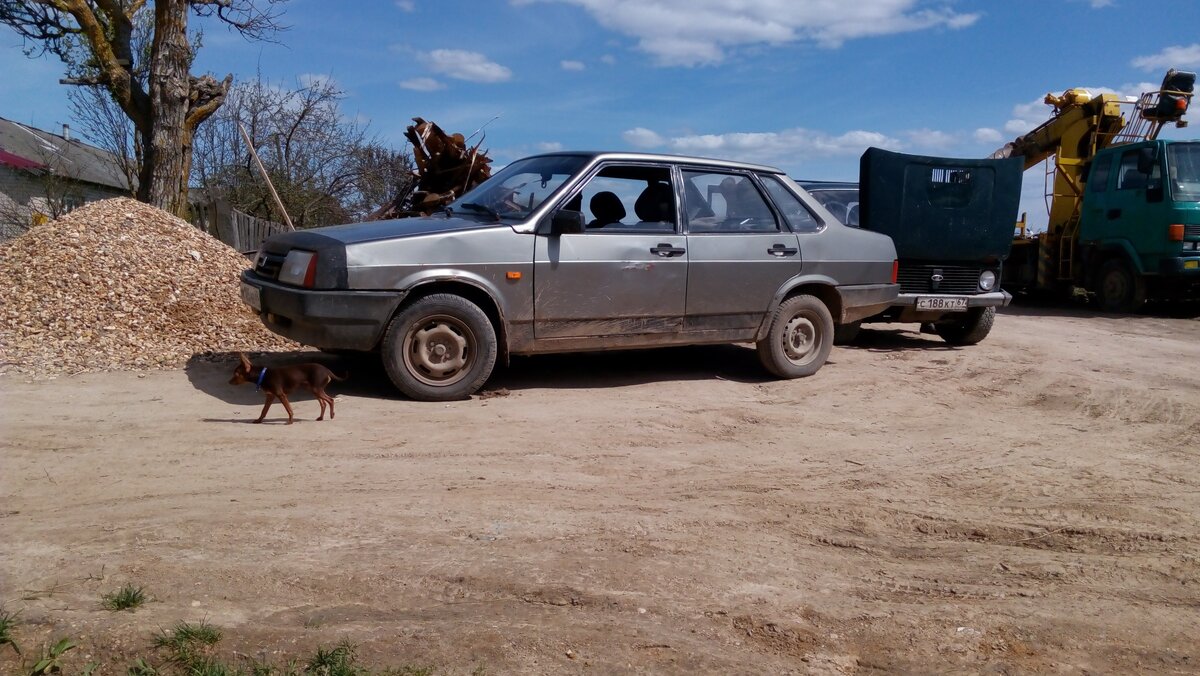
column 278, row 202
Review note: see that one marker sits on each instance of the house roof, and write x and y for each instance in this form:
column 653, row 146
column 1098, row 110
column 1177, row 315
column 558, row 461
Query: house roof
column 31, row 149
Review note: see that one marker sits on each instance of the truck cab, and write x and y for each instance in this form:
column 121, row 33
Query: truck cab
column 1139, row 228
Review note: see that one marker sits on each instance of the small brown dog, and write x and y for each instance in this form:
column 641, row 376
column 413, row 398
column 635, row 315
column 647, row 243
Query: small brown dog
column 277, row 381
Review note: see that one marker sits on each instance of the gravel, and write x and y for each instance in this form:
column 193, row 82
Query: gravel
column 120, row 285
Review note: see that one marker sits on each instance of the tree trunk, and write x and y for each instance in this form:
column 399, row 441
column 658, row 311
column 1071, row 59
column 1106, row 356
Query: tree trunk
column 164, row 183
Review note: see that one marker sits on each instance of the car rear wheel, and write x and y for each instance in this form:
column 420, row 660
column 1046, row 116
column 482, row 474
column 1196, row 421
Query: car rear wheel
column 440, row 348
column 799, row 338
column 969, row 328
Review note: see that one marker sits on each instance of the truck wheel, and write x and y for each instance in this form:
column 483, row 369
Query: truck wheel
column 799, row 338
column 844, row 334
column 440, row 348
column 1119, row 288
column 968, row 330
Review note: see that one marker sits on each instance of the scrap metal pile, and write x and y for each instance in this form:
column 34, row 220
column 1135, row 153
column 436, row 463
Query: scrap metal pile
column 119, row 284
column 446, row 168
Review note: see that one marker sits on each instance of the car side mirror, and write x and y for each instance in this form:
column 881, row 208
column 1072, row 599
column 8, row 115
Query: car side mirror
column 566, row 222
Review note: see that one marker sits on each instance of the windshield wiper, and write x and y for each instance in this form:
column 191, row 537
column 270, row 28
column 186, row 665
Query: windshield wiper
column 482, row 209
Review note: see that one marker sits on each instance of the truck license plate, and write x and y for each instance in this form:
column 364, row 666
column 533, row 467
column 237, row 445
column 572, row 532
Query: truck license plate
column 252, row 296
column 944, row 303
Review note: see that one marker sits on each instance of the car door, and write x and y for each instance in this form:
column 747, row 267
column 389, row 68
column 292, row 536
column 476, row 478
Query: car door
column 738, row 250
column 626, row 273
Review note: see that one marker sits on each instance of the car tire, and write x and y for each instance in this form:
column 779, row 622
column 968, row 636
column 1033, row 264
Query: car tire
column 440, row 348
column 1119, row 288
column 968, row 330
column 845, row 334
column 799, row 338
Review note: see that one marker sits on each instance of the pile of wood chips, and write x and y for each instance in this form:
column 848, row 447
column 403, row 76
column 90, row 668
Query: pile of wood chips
column 120, row 285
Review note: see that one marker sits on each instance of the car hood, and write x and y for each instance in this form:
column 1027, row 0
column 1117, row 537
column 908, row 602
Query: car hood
column 357, row 233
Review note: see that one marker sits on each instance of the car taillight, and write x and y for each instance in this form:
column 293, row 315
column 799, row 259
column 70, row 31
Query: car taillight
column 895, row 271
column 1175, row 232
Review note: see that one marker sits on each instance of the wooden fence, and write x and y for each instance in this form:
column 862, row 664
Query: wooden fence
column 243, row 232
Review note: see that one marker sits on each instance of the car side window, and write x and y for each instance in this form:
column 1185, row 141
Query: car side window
column 725, row 202
column 628, row 199
column 798, row 217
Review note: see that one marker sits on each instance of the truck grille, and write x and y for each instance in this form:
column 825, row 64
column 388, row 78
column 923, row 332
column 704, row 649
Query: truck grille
column 268, row 265
column 955, row 278
column 1191, row 230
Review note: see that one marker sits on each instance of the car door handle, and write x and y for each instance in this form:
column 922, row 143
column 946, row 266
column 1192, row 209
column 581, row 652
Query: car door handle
column 666, row 250
column 1113, row 214
column 781, row 250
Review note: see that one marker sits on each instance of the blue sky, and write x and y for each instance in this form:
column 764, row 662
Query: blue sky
column 805, row 85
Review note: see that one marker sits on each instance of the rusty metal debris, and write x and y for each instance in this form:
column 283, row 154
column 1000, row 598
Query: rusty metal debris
column 446, row 168
column 118, row 284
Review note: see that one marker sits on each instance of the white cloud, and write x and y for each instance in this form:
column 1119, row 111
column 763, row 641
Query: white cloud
column 698, row 32
column 549, row 147
column 988, row 135
column 465, row 65
column 406, row 5
column 641, row 137
column 782, row 147
column 1178, row 56
column 931, row 139
column 572, row 65
column 608, row 59
column 422, row 84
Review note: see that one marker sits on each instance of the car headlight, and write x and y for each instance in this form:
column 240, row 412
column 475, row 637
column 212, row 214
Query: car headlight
column 987, row 280
column 299, row 268
column 1191, row 246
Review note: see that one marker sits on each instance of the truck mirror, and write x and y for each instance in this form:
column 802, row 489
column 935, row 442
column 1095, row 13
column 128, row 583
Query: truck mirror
column 1146, row 159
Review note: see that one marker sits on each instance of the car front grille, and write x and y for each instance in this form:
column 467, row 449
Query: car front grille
column 1191, row 230
column 954, row 278
column 267, row 265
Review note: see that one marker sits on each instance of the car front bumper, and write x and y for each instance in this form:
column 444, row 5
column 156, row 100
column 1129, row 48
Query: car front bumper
column 347, row 320
column 992, row 299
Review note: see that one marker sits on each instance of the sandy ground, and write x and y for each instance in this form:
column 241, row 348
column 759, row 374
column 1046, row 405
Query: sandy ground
column 1028, row 504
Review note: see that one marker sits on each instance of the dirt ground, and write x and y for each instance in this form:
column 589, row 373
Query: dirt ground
column 1028, row 504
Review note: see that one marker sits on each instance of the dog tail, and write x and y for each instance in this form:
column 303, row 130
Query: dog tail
column 344, row 376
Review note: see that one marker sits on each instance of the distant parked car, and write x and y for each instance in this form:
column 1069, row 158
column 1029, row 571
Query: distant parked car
column 579, row 251
column 952, row 223
column 840, row 198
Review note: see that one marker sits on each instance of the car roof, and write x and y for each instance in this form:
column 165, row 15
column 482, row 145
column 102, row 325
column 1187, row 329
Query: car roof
column 828, row 185
column 663, row 157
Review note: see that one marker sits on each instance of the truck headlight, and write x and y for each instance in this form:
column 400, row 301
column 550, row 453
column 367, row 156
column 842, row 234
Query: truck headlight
column 987, row 280
column 1191, row 246
column 299, row 268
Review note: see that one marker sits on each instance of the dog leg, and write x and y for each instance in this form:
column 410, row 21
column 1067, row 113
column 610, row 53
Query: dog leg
column 283, row 398
column 266, row 406
column 320, row 400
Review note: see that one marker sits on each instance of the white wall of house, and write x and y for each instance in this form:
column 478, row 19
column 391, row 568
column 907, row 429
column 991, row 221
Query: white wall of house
column 23, row 195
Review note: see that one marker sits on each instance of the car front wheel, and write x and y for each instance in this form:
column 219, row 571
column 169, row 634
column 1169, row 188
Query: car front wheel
column 440, row 348
column 967, row 329
column 799, row 338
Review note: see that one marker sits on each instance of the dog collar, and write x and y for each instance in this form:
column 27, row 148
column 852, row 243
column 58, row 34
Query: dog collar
column 258, row 385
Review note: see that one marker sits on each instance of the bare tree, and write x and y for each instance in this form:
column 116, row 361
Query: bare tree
column 325, row 166
column 95, row 39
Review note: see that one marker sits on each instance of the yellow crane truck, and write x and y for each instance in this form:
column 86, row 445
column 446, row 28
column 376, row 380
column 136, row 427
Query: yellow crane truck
column 1124, row 205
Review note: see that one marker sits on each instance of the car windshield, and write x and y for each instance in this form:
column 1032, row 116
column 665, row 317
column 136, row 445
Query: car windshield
column 1183, row 166
column 518, row 189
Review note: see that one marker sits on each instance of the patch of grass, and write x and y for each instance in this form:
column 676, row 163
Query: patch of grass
column 189, row 645
column 125, row 598
column 51, row 662
column 7, row 622
column 338, row 661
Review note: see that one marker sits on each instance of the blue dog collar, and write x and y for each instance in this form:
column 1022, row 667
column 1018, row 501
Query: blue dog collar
column 258, row 385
